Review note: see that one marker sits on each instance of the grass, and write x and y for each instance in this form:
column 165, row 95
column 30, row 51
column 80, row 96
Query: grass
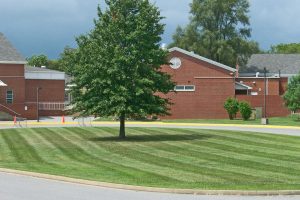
column 280, row 121
column 172, row 158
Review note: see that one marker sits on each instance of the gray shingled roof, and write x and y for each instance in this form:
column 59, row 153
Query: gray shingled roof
column 287, row 63
column 8, row 52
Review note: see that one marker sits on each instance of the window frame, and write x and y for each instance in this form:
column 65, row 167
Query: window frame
column 9, row 100
column 184, row 88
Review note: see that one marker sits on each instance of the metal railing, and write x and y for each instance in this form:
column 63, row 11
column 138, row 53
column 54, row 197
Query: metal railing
column 9, row 109
column 52, row 106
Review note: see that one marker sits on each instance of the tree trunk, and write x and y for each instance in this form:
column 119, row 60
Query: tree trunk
column 122, row 126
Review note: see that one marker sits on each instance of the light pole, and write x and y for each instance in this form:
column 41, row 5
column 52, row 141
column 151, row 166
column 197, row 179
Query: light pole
column 265, row 120
column 37, row 103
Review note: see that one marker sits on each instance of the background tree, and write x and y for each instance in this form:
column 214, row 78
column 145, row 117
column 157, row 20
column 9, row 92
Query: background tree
column 38, row 60
column 292, row 48
column 117, row 65
column 292, row 95
column 218, row 30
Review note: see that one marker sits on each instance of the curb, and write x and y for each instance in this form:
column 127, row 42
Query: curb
column 160, row 124
column 152, row 189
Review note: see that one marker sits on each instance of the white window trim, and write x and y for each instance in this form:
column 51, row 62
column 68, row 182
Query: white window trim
column 185, row 90
column 12, row 97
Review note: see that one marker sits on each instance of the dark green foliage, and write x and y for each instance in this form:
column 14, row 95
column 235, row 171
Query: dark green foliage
column 292, row 95
column 245, row 110
column 232, row 107
column 218, row 30
column 292, row 48
column 37, row 60
column 116, row 68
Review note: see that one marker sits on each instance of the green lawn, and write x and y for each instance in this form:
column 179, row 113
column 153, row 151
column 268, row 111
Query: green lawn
column 173, row 158
column 280, row 121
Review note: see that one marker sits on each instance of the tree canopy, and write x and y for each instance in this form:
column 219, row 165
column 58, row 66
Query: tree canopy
column 38, row 60
column 116, row 68
column 292, row 48
column 218, row 30
column 292, row 95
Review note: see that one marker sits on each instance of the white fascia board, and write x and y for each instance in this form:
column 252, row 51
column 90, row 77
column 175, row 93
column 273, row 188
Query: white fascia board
column 203, row 59
column 241, row 85
column 45, row 75
column 13, row 62
column 2, row 84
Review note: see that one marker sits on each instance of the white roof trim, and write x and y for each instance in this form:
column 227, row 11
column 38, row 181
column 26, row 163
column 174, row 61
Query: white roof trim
column 243, row 85
column 2, row 84
column 203, row 59
column 13, row 62
column 45, row 75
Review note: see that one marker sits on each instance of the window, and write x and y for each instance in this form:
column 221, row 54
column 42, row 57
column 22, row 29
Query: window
column 184, row 88
column 9, row 96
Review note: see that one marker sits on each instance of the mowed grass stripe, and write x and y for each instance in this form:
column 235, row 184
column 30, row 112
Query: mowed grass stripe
column 247, row 151
column 175, row 164
column 21, row 150
column 246, row 138
column 202, row 159
column 76, row 153
column 106, row 167
column 149, row 168
column 47, row 149
column 263, row 175
column 85, row 135
column 243, row 143
column 205, row 153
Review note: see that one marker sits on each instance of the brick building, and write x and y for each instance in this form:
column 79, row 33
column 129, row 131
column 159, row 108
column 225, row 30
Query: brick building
column 28, row 91
column 203, row 85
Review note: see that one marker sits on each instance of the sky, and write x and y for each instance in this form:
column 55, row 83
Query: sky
column 47, row 26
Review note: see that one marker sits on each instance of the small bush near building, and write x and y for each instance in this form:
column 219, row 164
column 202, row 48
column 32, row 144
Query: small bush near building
column 245, row 110
column 232, row 107
column 296, row 116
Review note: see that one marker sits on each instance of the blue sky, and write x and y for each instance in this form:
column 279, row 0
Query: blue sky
column 46, row 27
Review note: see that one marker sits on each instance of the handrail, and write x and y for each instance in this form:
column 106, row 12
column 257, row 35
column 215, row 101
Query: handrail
column 10, row 109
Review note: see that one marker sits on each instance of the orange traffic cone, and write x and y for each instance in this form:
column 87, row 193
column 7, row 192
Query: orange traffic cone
column 15, row 120
column 63, row 119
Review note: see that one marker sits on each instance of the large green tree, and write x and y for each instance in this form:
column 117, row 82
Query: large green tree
column 292, row 48
column 37, row 60
column 292, row 95
column 218, row 30
column 117, row 67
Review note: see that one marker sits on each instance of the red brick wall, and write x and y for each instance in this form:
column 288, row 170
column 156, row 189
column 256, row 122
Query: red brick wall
column 258, row 85
column 275, row 104
column 210, row 93
column 51, row 90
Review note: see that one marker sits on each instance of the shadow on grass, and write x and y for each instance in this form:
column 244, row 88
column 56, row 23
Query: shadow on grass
column 152, row 138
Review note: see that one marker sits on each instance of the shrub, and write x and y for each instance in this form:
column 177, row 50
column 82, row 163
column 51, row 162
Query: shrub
column 245, row 110
column 232, row 107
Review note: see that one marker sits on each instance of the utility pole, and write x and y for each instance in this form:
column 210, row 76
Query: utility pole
column 265, row 120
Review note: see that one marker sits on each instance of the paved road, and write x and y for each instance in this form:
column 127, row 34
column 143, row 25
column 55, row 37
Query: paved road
column 17, row 187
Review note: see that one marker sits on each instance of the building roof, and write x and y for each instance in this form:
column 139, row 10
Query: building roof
column 40, row 69
column 202, row 59
column 43, row 73
column 8, row 54
column 286, row 63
